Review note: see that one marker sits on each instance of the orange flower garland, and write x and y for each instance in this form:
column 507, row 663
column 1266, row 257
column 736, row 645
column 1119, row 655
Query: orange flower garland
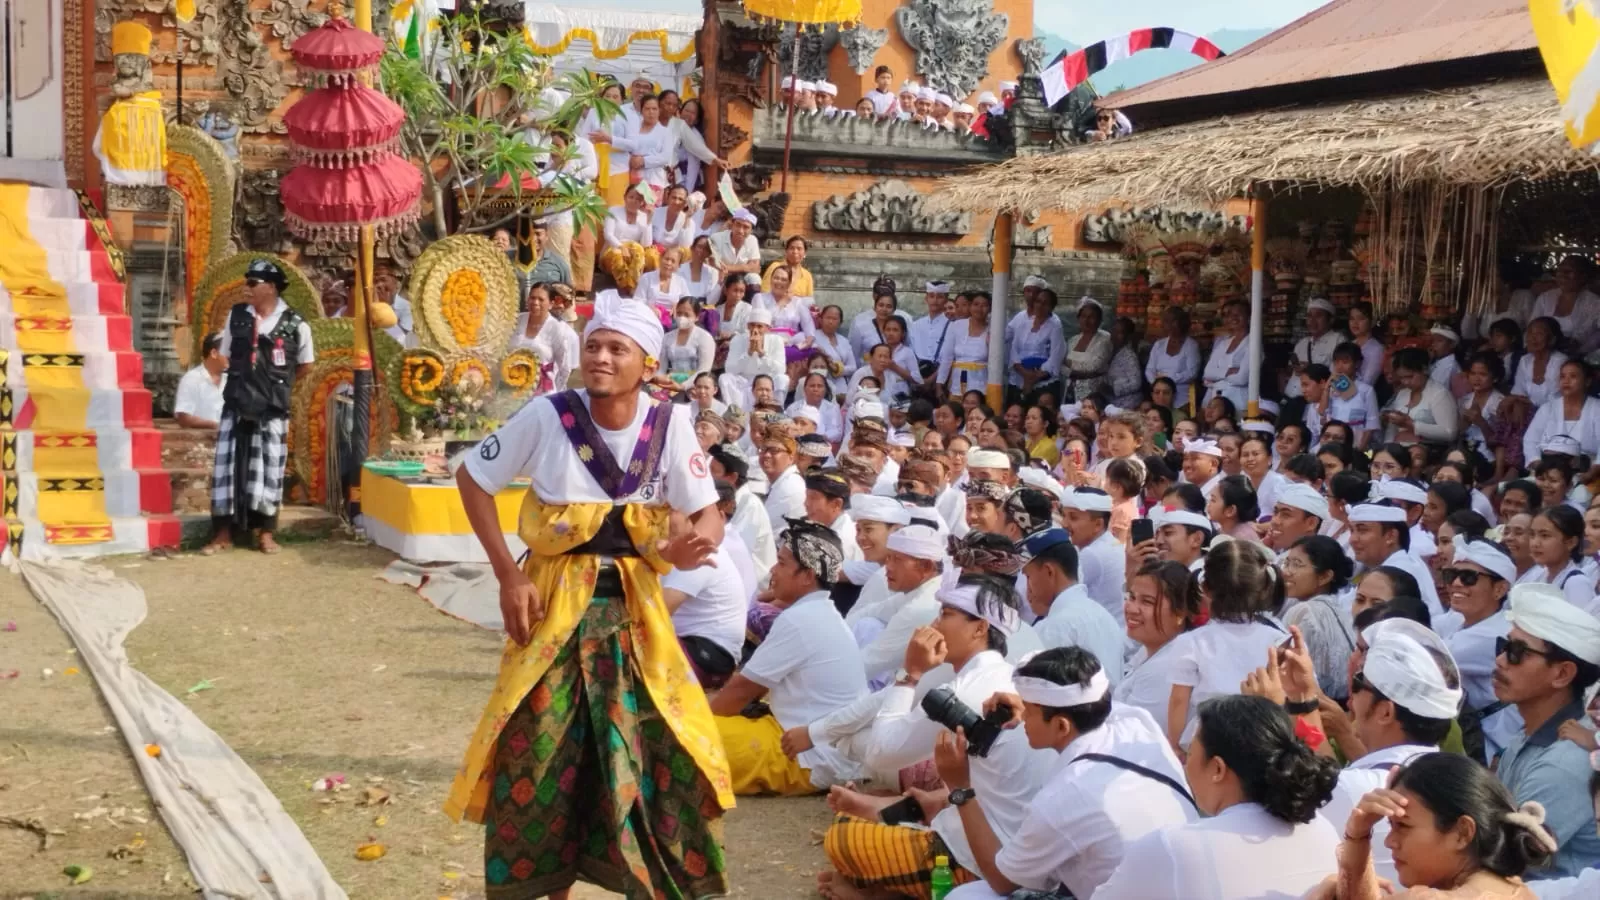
column 421, row 376
column 520, row 370
column 463, row 304
column 458, row 372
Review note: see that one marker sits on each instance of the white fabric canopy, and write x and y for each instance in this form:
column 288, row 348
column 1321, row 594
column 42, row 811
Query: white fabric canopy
column 619, row 42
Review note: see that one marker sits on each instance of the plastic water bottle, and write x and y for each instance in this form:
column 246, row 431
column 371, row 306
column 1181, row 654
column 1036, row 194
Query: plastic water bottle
column 941, row 880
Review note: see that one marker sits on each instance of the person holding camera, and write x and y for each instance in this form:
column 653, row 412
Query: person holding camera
column 1115, row 781
column 868, row 848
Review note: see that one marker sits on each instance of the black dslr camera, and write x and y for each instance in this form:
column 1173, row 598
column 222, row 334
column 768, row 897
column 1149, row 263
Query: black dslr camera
column 942, row 706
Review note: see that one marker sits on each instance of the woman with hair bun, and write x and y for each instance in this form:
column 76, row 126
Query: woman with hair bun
column 1261, row 788
column 1455, row 832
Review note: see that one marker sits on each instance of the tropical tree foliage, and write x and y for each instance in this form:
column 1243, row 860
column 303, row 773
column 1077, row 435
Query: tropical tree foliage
column 475, row 113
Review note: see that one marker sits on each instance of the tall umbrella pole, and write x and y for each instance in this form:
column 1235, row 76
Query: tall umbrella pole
column 1258, row 292
column 794, row 81
column 360, row 428
column 1001, row 253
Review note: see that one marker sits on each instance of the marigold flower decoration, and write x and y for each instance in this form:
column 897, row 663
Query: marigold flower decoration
column 520, row 370
column 464, row 370
column 419, row 378
column 627, row 263
column 463, row 302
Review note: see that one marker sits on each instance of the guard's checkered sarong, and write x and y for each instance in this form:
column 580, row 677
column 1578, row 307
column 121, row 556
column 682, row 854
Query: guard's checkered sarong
column 257, row 474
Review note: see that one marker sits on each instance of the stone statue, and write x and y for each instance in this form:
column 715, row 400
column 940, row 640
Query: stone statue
column 130, row 54
column 953, row 40
column 861, row 46
column 1031, row 52
column 132, row 141
column 216, row 122
column 814, row 49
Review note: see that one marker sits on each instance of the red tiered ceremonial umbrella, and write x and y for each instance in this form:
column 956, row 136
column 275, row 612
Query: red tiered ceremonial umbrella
column 344, row 135
column 349, row 185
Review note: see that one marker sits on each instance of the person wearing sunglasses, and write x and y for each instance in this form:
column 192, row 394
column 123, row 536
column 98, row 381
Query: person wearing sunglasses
column 267, row 345
column 1550, row 657
column 1475, row 585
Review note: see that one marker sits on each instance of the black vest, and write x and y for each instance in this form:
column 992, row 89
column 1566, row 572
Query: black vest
column 258, row 388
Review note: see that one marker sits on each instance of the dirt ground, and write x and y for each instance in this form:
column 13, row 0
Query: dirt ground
column 316, row 669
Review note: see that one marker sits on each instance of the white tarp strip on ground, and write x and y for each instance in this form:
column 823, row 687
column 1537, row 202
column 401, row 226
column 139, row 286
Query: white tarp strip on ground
column 239, row 841
column 465, row 591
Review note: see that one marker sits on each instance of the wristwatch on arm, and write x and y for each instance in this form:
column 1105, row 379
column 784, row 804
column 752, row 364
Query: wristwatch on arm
column 960, row 796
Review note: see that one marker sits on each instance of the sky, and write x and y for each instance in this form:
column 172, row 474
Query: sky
column 1085, row 21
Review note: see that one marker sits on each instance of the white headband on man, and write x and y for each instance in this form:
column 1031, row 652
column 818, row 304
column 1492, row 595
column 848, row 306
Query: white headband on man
column 1087, row 500
column 1322, row 304
column 965, row 598
column 1305, row 498
column 634, row 320
column 1399, row 489
column 918, row 541
column 1486, row 556
column 745, row 216
column 1543, row 611
column 936, row 287
column 1373, row 512
column 1202, row 447
column 1400, row 666
column 872, row 508
column 979, row 458
column 1180, row 517
column 1042, row 692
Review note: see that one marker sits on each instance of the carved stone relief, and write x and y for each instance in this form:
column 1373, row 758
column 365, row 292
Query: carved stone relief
column 732, row 136
column 751, row 179
column 249, row 73
column 769, row 212
column 814, row 49
column 258, row 221
column 861, row 46
column 199, row 44
column 887, row 207
column 1029, row 237
column 1110, row 226
column 953, row 40
column 1031, row 52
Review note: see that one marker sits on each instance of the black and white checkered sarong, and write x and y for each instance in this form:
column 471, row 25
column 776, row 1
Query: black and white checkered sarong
column 258, row 475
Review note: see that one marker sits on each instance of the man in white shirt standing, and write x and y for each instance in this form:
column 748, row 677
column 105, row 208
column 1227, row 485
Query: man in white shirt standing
column 1115, row 780
column 929, row 333
column 1086, row 513
column 1319, row 343
column 199, row 400
column 1402, row 704
column 1067, row 616
column 736, row 250
column 807, row 666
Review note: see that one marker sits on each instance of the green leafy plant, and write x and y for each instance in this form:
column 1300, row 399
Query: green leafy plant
column 472, row 101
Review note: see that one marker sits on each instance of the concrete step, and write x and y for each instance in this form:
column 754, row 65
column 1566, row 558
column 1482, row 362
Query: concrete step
column 65, row 334
column 108, row 449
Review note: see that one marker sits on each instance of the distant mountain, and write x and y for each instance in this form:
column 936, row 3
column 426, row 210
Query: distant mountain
column 1152, row 64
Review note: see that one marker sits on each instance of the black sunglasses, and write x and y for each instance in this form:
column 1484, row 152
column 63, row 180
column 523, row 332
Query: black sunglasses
column 1515, row 651
column 1467, row 577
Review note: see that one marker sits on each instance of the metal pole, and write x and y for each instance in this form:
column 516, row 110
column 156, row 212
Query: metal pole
column 360, row 429
column 788, row 131
column 180, row 76
column 1000, row 256
column 1258, row 292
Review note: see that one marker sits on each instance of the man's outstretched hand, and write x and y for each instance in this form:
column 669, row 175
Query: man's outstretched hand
column 689, row 550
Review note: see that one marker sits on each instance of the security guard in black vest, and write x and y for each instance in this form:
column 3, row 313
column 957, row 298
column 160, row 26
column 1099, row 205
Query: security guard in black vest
column 267, row 345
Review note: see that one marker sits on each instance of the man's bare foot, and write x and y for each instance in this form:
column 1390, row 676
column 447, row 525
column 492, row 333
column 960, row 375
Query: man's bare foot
column 222, row 540
column 266, row 543
column 847, row 801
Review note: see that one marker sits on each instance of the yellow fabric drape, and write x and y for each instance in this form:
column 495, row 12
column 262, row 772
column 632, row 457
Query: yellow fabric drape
column 132, row 142
column 805, row 12
column 756, row 758
column 801, row 283
column 1570, row 45
column 566, row 583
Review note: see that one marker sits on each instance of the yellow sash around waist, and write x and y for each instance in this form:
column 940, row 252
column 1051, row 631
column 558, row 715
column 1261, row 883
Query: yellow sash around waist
column 566, row 583
column 970, row 366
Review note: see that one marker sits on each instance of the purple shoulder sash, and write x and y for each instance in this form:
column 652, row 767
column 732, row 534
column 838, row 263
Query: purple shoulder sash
column 596, row 455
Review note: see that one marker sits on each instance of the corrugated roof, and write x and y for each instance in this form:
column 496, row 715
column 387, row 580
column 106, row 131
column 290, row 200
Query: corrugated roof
column 1351, row 37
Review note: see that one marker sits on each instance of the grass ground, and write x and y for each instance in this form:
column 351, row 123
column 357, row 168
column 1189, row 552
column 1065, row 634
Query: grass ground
column 317, row 668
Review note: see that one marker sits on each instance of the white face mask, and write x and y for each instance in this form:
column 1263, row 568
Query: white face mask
column 685, row 323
